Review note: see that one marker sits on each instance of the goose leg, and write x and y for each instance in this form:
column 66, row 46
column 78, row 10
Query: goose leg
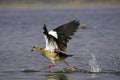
column 69, row 67
column 49, row 66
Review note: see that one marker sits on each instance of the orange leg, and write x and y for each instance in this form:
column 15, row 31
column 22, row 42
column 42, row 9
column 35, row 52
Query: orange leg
column 70, row 67
column 49, row 66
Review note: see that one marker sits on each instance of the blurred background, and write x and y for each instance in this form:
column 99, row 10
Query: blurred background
column 57, row 3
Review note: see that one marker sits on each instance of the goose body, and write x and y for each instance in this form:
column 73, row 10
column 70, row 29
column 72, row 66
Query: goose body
column 56, row 43
column 50, row 55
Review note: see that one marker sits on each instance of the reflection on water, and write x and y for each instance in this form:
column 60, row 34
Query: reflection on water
column 56, row 76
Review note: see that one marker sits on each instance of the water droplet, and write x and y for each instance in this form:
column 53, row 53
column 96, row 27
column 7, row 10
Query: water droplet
column 94, row 67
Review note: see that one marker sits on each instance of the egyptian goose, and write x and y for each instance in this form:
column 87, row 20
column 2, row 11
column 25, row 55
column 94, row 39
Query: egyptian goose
column 56, row 43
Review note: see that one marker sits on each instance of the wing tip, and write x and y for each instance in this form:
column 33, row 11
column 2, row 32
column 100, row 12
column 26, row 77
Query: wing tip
column 45, row 29
column 76, row 21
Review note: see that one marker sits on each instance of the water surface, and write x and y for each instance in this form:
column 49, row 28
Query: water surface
column 20, row 29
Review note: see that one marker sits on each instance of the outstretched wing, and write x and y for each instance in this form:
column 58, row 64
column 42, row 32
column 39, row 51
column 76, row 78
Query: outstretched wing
column 64, row 33
column 56, row 40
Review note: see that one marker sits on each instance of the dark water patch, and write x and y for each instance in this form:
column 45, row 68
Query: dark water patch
column 30, row 70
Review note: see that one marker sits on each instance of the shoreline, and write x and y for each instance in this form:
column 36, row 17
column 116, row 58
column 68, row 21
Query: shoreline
column 64, row 5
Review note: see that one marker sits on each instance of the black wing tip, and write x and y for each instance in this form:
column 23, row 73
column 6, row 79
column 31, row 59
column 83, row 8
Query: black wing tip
column 45, row 29
column 76, row 22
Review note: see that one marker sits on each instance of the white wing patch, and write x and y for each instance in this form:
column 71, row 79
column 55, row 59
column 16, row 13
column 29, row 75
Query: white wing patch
column 53, row 33
column 46, row 40
column 51, row 45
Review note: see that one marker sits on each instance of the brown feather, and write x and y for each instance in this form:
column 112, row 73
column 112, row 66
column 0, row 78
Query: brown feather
column 62, row 47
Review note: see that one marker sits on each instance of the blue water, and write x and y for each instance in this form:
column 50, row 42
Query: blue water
column 20, row 29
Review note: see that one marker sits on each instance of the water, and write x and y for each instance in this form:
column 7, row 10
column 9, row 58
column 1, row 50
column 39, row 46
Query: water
column 20, row 29
column 94, row 66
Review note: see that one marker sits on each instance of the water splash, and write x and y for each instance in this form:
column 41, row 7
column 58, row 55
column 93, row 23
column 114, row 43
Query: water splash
column 94, row 67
